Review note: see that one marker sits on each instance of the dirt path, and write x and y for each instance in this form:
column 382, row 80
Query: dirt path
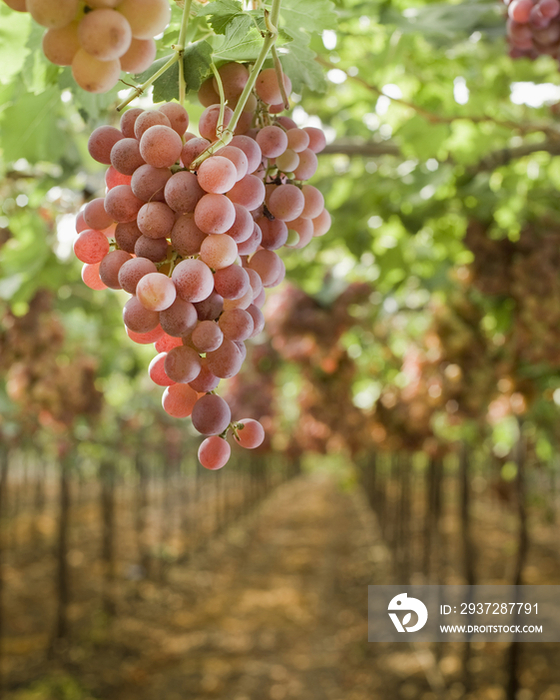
column 278, row 611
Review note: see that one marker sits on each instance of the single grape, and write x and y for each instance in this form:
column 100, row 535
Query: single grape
column 238, row 158
column 104, row 34
column 110, row 266
column 53, row 14
column 183, row 192
column 214, row 452
column 179, row 319
column 226, row 361
column 210, row 308
column 249, row 192
column 234, row 77
column 307, row 165
column 192, row 149
column 267, row 265
column 549, row 8
column 252, row 243
column 160, row 146
column 91, row 246
column 155, row 249
column 165, row 342
column 255, row 280
column 156, row 370
column 317, row 141
column 122, row 204
column 126, row 157
column 314, row 202
column 155, row 291
column 250, row 433
column 231, row 282
column 274, row 233
column 242, row 226
column 207, row 336
column 321, row 223
column 193, row 279
column 177, row 116
column 286, row 202
column 251, row 149
column 148, row 119
column 241, row 303
column 139, row 56
column 114, row 178
column 286, row 122
column 218, row 251
column 214, row 213
column 206, row 381
column 61, row 45
column 95, row 215
column 138, row 318
column 90, row 276
column 156, row 219
column 186, row 237
column 267, row 86
column 132, row 272
column 148, row 183
column 128, row 120
column 519, row 10
column 236, row 324
column 211, row 415
column 178, row 400
column 146, row 338
column 101, row 142
column 272, row 141
column 182, row 364
column 298, row 140
column 217, row 175
column 288, row 161
column 147, row 18
column 258, row 318
column 208, row 123
column 93, row 75
column 207, row 96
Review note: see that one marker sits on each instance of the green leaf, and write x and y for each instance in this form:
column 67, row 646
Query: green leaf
column 28, row 127
column 196, row 61
column 298, row 60
column 311, row 15
column 242, row 41
column 222, row 13
column 14, row 31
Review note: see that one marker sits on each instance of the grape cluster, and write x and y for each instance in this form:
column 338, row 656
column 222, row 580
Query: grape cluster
column 38, row 372
column 191, row 231
column 533, row 28
column 99, row 38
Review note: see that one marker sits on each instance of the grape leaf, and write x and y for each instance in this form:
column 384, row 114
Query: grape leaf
column 298, row 60
column 311, row 15
column 242, row 41
column 222, row 13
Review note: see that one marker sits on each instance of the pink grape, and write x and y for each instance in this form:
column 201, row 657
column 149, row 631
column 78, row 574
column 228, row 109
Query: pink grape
column 241, row 303
column 286, row 202
column 193, row 279
column 192, row 149
column 155, row 249
column 254, row 280
column 105, row 34
column 231, row 282
column 207, row 336
column 321, row 223
column 258, row 318
column 182, row 364
column 210, row 308
column 286, row 122
column 183, row 192
column 101, row 142
column 90, row 276
column 155, row 291
column 91, row 246
column 214, row 213
column 61, row 45
column 165, row 342
column 214, row 452
column 226, row 361
column 259, row 299
column 128, row 120
column 252, row 243
column 238, row 158
column 148, row 119
column 95, row 215
column 218, row 251
column 274, row 233
column 148, row 183
column 314, row 202
column 234, row 77
column 53, row 14
column 268, row 266
column 272, row 140
column 178, row 400
column 249, row 192
column 186, row 237
column 138, row 318
column 207, row 96
column 110, row 266
column 155, row 220
column 125, row 156
column 549, row 8
column 288, row 161
column 114, row 178
column 126, row 236
column 122, row 204
column 132, row 272
column 217, row 175
column 236, row 324
column 147, row 18
column 93, row 75
column 251, row 149
column 145, row 338
column 250, row 433
column 211, row 415
column 177, row 116
column 298, row 139
column 139, row 56
column 156, row 370
column 208, row 123
column 179, row 319
column 206, row 381
column 242, row 226
column 317, row 141
column 160, row 146
column 267, row 86
column 519, row 10
column 307, row 165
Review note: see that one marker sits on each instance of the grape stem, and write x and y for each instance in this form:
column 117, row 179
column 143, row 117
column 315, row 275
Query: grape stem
column 280, row 77
column 178, row 51
column 220, row 85
column 270, row 36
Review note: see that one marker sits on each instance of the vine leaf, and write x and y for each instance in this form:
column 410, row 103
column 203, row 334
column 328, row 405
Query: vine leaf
column 222, row 13
column 312, row 15
column 298, row 60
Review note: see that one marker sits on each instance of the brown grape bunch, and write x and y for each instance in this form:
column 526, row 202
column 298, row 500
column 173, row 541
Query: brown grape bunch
column 193, row 238
column 99, row 38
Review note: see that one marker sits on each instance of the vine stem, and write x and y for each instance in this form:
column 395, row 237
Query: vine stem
column 280, row 77
column 221, row 92
column 179, row 49
column 271, row 19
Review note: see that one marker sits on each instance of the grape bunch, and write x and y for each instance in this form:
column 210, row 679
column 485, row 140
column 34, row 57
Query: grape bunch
column 533, row 28
column 191, row 230
column 99, row 38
